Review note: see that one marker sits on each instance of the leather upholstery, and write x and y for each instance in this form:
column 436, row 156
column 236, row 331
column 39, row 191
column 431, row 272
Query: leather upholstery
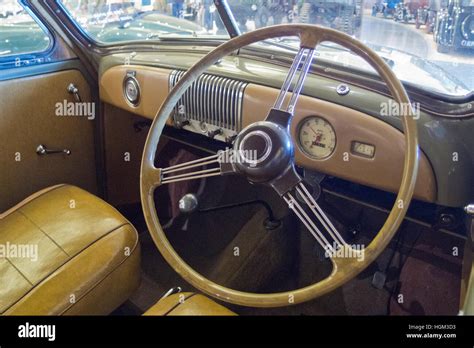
column 88, row 256
column 188, row 303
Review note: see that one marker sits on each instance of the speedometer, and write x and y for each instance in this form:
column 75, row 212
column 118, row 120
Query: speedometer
column 316, row 137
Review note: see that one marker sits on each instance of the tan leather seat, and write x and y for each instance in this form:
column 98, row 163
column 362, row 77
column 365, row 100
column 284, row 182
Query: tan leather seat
column 87, row 260
column 188, row 303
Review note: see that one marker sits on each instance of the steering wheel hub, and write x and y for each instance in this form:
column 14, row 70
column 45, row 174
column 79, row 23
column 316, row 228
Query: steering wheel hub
column 255, row 147
column 264, row 151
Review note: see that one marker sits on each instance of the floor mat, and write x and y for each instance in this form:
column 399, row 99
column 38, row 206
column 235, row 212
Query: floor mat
column 430, row 278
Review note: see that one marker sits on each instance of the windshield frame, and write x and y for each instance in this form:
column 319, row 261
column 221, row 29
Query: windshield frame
column 363, row 78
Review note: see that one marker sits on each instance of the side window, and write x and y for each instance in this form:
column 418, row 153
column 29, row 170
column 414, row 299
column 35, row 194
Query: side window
column 20, row 34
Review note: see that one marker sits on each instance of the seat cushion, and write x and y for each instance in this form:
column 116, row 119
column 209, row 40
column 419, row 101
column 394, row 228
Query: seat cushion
column 66, row 251
column 188, row 303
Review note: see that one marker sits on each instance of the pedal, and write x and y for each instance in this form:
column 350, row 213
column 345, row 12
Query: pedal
column 378, row 280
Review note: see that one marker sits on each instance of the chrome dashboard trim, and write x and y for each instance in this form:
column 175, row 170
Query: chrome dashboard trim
column 212, row 100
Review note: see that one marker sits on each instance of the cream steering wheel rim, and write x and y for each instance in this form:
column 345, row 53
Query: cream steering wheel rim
column 344, row 269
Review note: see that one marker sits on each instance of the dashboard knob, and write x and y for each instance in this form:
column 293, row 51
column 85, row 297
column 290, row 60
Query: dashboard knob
column 212, row 134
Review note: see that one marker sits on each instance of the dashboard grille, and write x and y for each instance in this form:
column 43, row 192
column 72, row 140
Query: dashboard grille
column 212, row 100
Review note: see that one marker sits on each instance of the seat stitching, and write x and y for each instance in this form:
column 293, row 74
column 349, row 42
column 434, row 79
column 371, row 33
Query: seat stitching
column 26, row 201
column 11, row 263
column 101, row 280
column 178, row 304
column 47, row 235
column 46, row 277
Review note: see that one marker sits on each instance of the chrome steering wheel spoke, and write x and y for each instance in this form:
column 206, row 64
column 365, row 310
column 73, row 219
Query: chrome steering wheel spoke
column 197, row 169
column 294, row 80
column 326, row 234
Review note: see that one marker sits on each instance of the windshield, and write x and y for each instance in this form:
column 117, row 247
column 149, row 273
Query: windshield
column 429, row 43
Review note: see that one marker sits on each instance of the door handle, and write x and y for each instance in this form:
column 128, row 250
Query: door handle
column 43, row 150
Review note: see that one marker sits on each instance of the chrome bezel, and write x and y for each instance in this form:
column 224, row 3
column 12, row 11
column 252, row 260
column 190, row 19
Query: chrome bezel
column 268, row 150
column 343, row 89
column 134, row 102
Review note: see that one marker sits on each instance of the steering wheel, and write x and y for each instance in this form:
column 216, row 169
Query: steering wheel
column 263, row 153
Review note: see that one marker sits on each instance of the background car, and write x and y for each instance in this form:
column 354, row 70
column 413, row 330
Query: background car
column 455, row 25
column 426, row 15
column 343, row 15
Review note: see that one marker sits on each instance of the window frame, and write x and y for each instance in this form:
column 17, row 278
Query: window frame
column 30, row 58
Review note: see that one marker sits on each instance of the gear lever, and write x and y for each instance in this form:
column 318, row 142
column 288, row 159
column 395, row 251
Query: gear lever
column 189, row 203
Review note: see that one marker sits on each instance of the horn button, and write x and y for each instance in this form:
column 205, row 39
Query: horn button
column 264, row 151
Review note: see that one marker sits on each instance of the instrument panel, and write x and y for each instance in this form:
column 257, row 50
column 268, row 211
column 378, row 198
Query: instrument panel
column 328, row 137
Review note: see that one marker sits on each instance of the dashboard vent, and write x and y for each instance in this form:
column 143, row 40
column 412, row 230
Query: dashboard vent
column 211, row 100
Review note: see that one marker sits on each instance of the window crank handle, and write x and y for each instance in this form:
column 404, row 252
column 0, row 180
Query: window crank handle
column 72, row 89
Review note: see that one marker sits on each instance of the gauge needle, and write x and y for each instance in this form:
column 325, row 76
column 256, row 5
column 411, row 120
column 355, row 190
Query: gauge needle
column 313, row 130
column 318, row 136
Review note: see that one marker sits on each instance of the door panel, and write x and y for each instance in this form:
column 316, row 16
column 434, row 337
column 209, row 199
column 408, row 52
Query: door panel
column 29, row 116
column 124, row 147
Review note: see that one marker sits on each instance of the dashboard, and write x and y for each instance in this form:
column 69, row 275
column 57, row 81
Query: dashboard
column 329, row 137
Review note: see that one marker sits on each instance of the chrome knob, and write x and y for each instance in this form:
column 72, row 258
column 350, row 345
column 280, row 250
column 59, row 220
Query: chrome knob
column 469, row 209
column 212, row 134
column 188, row 203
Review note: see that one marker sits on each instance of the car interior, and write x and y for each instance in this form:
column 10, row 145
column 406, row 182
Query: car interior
column 196, row 158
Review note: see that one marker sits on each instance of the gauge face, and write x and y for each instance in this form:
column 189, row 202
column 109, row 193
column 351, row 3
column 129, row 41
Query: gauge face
column 317, row 137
